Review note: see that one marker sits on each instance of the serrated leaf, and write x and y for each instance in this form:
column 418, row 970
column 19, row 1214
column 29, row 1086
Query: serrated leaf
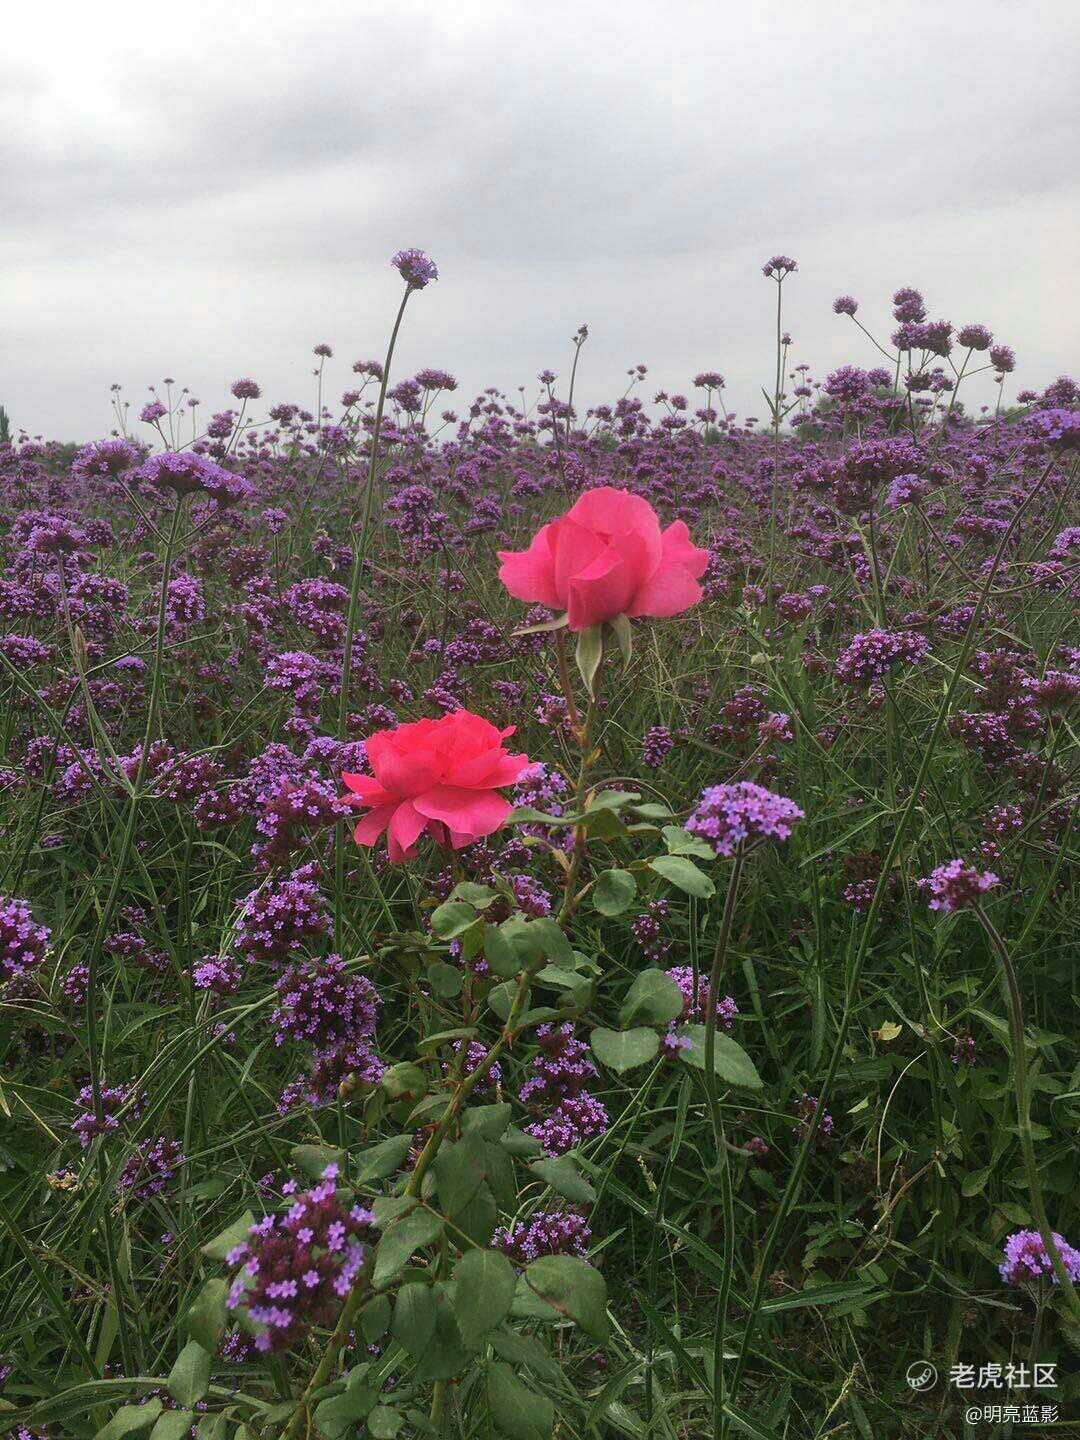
column 487, row 1121
column 452, row 918
column 414, row 1318
column 384, row 1422
column 313, row 1159
column 653, row 997
column 218, row 1248
column 446, row 980
column 500, row 955
column 205, row 1317
column 189, row 1378
column 459, row 1169
column 622, row 1050
column 730, row 1060
column 478, row 896
column 375, row 1318
column 681, row 842
column 573, row 1288
column 518, row 1412
column 383, row 1159
column 486, row 1282
column 614, row 892
column 683, row 874
column 565, row 1178
column 400, row 1243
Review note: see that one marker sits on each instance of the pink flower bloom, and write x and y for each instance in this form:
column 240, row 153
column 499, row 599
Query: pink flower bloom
column 607, row 556
column 436, row 775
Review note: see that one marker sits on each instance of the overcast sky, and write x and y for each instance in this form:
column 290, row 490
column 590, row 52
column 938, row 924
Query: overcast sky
column 208, row 190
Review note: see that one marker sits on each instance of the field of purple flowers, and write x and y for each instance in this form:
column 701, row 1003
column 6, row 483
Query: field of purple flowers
column 523, row 921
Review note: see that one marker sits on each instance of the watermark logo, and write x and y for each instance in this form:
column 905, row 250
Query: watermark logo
column 922, row 1376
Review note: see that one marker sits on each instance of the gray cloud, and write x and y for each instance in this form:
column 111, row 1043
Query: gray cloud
column 211, row 194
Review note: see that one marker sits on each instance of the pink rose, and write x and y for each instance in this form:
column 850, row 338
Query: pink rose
column 607, row 556
column 436, row 775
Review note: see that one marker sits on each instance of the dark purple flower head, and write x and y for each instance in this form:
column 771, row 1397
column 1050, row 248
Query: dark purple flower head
column 298, row 1267
column 875, row 653
column 1026, row 1258
column 956, row 886
column 779, row 266
column 845, row 305
column 415, row 268
column 246, row 389
column 23, row 943
column 1003, row 359
column 975, row 337
column 728, row 816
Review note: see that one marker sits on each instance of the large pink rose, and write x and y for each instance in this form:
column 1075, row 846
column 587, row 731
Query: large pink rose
column 436, row 775
column 607, row 556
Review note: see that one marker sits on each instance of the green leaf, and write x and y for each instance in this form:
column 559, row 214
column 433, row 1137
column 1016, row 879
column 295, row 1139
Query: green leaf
column 613, row 892
column 683, row 874
column 384, row 1422
column 730, row 1060
column 574, row 1288
column 414, row 1318
column 478, row 896
column 313, row 1159
column 484, row 1293
column 212, row 1427
column 446, row 1356
column 130, row 1419
column 205, row 1318
column 652, row 811
column 404, row 1081
column 336, row 1416
column 622, row 1050
column 446, row 980
column 975, row 1182
column 229, row 1238
column 518, row 1412
column 189, row 1379
column 526, row 1350
column 559, row 623
column 653, row 997
column 624, row 634
column 565, row 1178
column 173, row 1425
column 681, row 842
column 487, row 1121
column 552, row 943
column 452, row 918
column 503, row 959
column 383, row 1159
column 400, row 1242
column 375, row 1318
column 459, row 1169
column 589, row 653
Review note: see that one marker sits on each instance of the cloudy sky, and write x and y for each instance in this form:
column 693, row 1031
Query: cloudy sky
column 207, row 191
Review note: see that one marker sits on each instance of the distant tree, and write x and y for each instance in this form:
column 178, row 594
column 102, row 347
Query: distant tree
column 5, row 427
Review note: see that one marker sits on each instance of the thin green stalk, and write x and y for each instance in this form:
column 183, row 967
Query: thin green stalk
column 359, row 545
column 727, row 1200
column 108, row 908
column 1014, row 1005
column 794, row 1185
